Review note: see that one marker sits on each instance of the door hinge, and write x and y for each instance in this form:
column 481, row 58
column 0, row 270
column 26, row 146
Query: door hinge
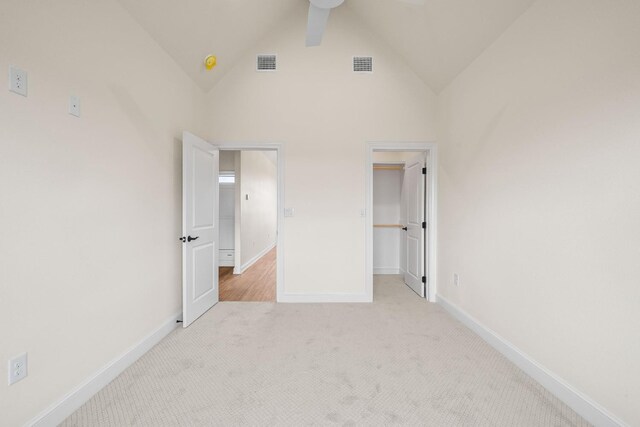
column 424, row 171
column 424, row 224
column 424, row 279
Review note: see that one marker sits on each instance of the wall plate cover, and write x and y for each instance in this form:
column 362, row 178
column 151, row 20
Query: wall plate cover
column 18, row 81
column 17, row 368
column 74, row 105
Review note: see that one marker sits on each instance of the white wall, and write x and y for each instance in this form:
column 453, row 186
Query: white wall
column 540, row 193
column 393, row 156
column 324, row 114
column 228, row 161
column 258, row 203
column 90, row 214
column 387, row 189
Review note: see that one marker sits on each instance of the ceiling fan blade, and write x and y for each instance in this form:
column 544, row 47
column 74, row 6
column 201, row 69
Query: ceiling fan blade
column 316, row 23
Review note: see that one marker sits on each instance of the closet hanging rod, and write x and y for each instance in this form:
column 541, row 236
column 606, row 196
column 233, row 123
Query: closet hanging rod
column 388, row 167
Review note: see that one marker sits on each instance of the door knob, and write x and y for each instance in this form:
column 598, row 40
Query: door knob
column 404, row 228
column 192, row 238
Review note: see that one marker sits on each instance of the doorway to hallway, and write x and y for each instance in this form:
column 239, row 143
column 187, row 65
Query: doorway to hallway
column 248, row 183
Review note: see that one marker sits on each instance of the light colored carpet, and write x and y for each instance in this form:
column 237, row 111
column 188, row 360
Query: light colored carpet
column 399, row 360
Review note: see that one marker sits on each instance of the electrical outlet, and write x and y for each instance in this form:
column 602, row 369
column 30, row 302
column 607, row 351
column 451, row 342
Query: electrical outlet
column 74, row 105
column 289, row 212
column 456, row 279
column 18, row 81
column 17, row 368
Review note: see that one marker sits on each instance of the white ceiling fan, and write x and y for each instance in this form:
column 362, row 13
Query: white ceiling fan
column 319, row 14
column 317, row 20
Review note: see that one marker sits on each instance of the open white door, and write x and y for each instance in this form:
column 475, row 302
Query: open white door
column 414, row 181
column 200, row 162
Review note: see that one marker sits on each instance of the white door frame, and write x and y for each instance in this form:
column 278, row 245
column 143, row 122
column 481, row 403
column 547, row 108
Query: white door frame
column 279, row 149
column 432, row 167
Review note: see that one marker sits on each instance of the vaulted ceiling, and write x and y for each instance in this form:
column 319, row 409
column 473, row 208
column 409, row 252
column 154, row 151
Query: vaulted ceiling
column 437, row 38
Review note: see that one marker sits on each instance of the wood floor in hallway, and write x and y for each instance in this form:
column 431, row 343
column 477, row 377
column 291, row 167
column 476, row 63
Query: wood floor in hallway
column 257, row 283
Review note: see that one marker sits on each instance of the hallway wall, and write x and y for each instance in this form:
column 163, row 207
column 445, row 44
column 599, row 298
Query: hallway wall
column 257, row 199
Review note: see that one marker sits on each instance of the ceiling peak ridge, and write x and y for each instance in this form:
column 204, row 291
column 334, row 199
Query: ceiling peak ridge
column 380, row 41
column 487, row 48
column 295, row 17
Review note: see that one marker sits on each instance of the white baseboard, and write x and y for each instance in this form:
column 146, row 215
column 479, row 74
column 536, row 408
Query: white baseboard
column 66, row 406
column 319, row 298
column 386, row 270
column 583, row 405
column 253, row 260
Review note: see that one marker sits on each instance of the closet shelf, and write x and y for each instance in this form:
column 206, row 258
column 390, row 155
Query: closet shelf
column 388, row 225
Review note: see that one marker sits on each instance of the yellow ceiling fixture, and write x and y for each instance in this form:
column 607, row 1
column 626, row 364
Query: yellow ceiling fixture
column 210, row 61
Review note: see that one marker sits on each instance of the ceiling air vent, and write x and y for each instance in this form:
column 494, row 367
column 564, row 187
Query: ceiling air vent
column 266, row 63
column 362, row 64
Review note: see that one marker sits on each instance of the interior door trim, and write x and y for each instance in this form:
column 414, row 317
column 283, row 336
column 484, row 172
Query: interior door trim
column 431, row 148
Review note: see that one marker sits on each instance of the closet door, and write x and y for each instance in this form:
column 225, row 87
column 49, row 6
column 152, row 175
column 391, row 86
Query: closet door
column 414, row 180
